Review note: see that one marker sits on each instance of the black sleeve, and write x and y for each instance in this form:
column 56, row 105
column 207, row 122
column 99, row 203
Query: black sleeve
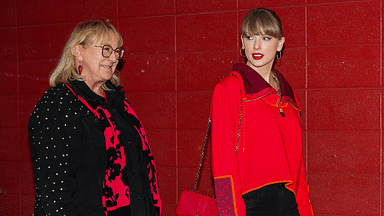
column 55, row 141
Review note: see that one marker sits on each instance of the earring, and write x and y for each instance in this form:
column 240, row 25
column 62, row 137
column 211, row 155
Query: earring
column 242, row 52
column 80, row 69
column 278, row 55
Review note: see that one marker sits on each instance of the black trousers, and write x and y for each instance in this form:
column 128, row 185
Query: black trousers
column 271, row 200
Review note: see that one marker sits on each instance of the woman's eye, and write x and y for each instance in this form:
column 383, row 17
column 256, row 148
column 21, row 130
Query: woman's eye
column 249, row 37
column 267, row 38
column 107, row 48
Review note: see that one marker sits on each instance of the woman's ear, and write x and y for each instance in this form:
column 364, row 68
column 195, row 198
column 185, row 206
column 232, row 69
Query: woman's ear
column 242, row 42
column 77, row 51
column 281, row 44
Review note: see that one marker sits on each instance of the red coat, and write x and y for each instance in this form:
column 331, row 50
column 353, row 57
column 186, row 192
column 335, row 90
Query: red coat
column 269, row 146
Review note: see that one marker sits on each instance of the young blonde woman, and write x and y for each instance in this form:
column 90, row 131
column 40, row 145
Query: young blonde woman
column 257, row 160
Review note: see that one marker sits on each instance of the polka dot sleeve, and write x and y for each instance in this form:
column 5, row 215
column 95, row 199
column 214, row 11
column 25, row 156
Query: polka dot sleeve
column 55, row 140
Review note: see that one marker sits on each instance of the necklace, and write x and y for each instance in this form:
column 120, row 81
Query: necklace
column 274, row 76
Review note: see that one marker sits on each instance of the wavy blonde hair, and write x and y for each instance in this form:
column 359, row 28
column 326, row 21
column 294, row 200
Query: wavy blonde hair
column 88, row 32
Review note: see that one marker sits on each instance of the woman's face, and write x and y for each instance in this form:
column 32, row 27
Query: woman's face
column 96, row 68
column 260, row 50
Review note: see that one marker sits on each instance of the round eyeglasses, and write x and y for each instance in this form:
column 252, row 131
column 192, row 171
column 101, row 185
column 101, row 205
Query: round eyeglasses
column 108, row 50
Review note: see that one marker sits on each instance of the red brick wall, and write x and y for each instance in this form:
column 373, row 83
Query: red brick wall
column 176, row 51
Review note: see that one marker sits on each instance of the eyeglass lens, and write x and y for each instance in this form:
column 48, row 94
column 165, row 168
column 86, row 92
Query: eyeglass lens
column 108, row 50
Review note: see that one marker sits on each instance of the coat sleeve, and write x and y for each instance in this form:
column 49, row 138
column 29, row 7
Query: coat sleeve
column 56, row 150
column 302, row 196
column 225, row 111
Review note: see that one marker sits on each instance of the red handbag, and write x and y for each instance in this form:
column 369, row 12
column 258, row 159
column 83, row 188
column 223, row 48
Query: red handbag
column 194, row 202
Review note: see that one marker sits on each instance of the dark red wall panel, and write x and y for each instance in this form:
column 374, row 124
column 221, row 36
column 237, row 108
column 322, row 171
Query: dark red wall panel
column 187, row 6
column 141, row 8
column 79, row 10
column 140, row 71
column 8, row 13
column 202, row 70
column 206, row 32
column 41, row 12
column 344, row 66
column 344, row 23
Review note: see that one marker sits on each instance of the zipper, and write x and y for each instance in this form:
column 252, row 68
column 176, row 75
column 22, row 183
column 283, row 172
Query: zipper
column 281, row 109
column 281, row 112
column 278, row 104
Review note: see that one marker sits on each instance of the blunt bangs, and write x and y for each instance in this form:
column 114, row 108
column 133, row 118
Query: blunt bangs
column 262, row 22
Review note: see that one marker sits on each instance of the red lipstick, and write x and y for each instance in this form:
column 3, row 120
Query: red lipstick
column 257, row 56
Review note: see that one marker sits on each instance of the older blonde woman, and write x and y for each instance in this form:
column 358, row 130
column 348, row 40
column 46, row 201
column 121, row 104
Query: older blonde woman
column 90, row 152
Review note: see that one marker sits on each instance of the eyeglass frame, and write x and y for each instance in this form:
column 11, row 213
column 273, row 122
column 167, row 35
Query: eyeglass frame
column 113, row 50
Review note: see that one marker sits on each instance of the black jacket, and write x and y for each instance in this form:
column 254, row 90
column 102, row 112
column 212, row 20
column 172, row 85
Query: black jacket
column 69, row 154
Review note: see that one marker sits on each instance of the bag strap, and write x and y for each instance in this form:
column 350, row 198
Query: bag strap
column 202, row 154
column 242, row 92
column 209, row 129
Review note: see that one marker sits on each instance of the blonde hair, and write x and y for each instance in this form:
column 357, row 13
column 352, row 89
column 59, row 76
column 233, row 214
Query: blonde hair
column 262, row 21
column 88, row 32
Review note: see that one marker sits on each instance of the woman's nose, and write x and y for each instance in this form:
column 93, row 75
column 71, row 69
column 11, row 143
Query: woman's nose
column 256, row 43
column 114, row 56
